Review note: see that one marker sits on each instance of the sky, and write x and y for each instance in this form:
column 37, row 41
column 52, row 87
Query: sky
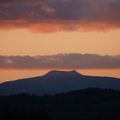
column 59, row 34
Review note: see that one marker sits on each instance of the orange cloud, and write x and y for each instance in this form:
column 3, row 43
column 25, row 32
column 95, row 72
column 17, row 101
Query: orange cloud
column 59, row 15
column 54, row 26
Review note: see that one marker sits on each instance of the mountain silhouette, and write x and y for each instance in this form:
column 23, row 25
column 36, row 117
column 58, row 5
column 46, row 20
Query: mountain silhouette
column 58, row 82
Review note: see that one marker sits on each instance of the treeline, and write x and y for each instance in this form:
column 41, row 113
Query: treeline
column 88, row 104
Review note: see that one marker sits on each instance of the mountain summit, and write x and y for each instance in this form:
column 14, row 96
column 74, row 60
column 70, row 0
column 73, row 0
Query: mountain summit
column 62, row 73
column 58, row 82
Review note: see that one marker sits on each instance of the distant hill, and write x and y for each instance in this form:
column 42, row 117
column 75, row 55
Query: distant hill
column 58, row 82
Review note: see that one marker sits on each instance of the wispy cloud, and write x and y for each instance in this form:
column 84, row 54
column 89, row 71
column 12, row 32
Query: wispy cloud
column 60, row 61
column 57, row 15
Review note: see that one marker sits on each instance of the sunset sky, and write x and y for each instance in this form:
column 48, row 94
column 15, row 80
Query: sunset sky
column 59, row 34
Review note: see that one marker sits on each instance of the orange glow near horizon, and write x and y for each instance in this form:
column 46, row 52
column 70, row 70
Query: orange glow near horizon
column 10, row 75
column 23, row 42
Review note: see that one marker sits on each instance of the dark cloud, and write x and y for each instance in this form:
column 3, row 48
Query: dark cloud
column 97, row 14
column 60, row 61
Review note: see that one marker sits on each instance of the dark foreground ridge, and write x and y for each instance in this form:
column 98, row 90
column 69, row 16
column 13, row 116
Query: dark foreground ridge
column 88, row 104
column 58, row 82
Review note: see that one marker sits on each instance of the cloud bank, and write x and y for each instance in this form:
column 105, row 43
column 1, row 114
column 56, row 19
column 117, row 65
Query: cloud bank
column 58, row 15
column 60, row 61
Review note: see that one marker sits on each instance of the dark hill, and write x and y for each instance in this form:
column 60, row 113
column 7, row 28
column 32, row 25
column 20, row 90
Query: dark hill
column 58, row 82
column 89, row 104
